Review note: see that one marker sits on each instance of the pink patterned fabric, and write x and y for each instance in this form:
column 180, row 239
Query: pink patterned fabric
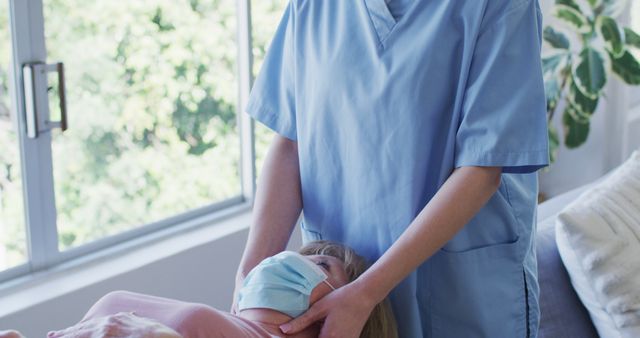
column 191, row 320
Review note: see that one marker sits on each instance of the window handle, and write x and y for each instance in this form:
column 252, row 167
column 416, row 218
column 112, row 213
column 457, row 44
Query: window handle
column 36, row 100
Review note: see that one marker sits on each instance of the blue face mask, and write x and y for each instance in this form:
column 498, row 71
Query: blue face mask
column 283, row 283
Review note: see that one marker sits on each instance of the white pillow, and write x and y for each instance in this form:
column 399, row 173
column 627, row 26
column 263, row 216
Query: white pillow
column 598, row 237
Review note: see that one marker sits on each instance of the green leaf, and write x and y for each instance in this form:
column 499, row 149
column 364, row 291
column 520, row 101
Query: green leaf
column 552, row 93
column 555, row 38
column 554, row 142
column 67, row 238
column 572, row 16
column 569, row 3
column 550, row 64
column 589, row 75
column 582, row 104
column 632, row 38
column 612, row 34
column 576, row 131
column 627, row 67
column 593, row 3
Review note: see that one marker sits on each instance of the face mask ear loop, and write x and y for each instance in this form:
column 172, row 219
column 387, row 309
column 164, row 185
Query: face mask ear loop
column 331, row 286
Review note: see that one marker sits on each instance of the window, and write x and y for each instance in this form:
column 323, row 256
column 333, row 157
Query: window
column 152, row 108
column 13, row 251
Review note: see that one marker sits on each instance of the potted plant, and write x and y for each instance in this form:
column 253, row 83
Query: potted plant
column 577, row 72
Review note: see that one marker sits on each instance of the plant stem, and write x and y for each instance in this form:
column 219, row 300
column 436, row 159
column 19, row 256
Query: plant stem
column 564, row 83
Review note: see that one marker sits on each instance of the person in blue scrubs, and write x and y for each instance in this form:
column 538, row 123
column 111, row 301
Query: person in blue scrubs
column 411, row 131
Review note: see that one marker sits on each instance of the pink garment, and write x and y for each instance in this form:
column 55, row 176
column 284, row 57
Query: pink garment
column 191, row 320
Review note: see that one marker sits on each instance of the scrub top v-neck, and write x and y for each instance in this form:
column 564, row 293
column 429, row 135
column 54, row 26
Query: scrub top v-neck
column 398, row 7
column 384, row 102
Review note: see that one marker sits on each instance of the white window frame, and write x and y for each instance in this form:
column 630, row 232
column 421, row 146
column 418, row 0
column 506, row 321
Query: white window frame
column 28, row 41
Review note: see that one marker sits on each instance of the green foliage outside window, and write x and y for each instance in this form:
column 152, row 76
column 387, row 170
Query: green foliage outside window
column 152, row 93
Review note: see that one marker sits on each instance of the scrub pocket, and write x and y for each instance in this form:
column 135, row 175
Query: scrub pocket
column 309, row 235
column 478, row 292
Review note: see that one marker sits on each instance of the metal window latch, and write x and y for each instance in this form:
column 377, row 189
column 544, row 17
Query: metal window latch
column 36, row 99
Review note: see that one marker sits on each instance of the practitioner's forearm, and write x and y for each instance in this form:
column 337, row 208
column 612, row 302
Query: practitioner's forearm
column 463, row 194
column 277, row 206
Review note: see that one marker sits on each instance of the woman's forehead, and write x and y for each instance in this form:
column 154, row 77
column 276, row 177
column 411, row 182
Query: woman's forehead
column 325, row 257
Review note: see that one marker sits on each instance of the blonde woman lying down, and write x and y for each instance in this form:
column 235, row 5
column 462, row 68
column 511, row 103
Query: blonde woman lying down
column 278, row 289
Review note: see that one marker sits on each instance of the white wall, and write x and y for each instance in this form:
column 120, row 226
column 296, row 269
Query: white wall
column 203, row 273
column 575, row 167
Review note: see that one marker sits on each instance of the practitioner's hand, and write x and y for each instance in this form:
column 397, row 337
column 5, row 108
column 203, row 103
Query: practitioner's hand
column 345, row 312
column 119, row 325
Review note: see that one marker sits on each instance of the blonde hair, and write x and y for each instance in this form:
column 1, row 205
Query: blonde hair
column 381, row 322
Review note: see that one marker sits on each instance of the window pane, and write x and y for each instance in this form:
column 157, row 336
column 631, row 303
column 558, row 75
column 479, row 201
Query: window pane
column 635, row 25
column 12, row 229
column 265, row 16
column 151, row 94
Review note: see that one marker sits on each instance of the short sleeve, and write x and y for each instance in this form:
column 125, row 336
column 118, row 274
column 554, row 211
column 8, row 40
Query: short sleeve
column 503, row 121
column 272, row 98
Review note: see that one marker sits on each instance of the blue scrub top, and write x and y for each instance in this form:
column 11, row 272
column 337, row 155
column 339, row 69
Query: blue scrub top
column 384, row 101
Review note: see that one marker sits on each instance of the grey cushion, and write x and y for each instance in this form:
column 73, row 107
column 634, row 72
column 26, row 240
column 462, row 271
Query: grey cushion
column 562, row 315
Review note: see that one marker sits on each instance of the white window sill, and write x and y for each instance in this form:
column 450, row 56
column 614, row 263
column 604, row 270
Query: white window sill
column 33, row 289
